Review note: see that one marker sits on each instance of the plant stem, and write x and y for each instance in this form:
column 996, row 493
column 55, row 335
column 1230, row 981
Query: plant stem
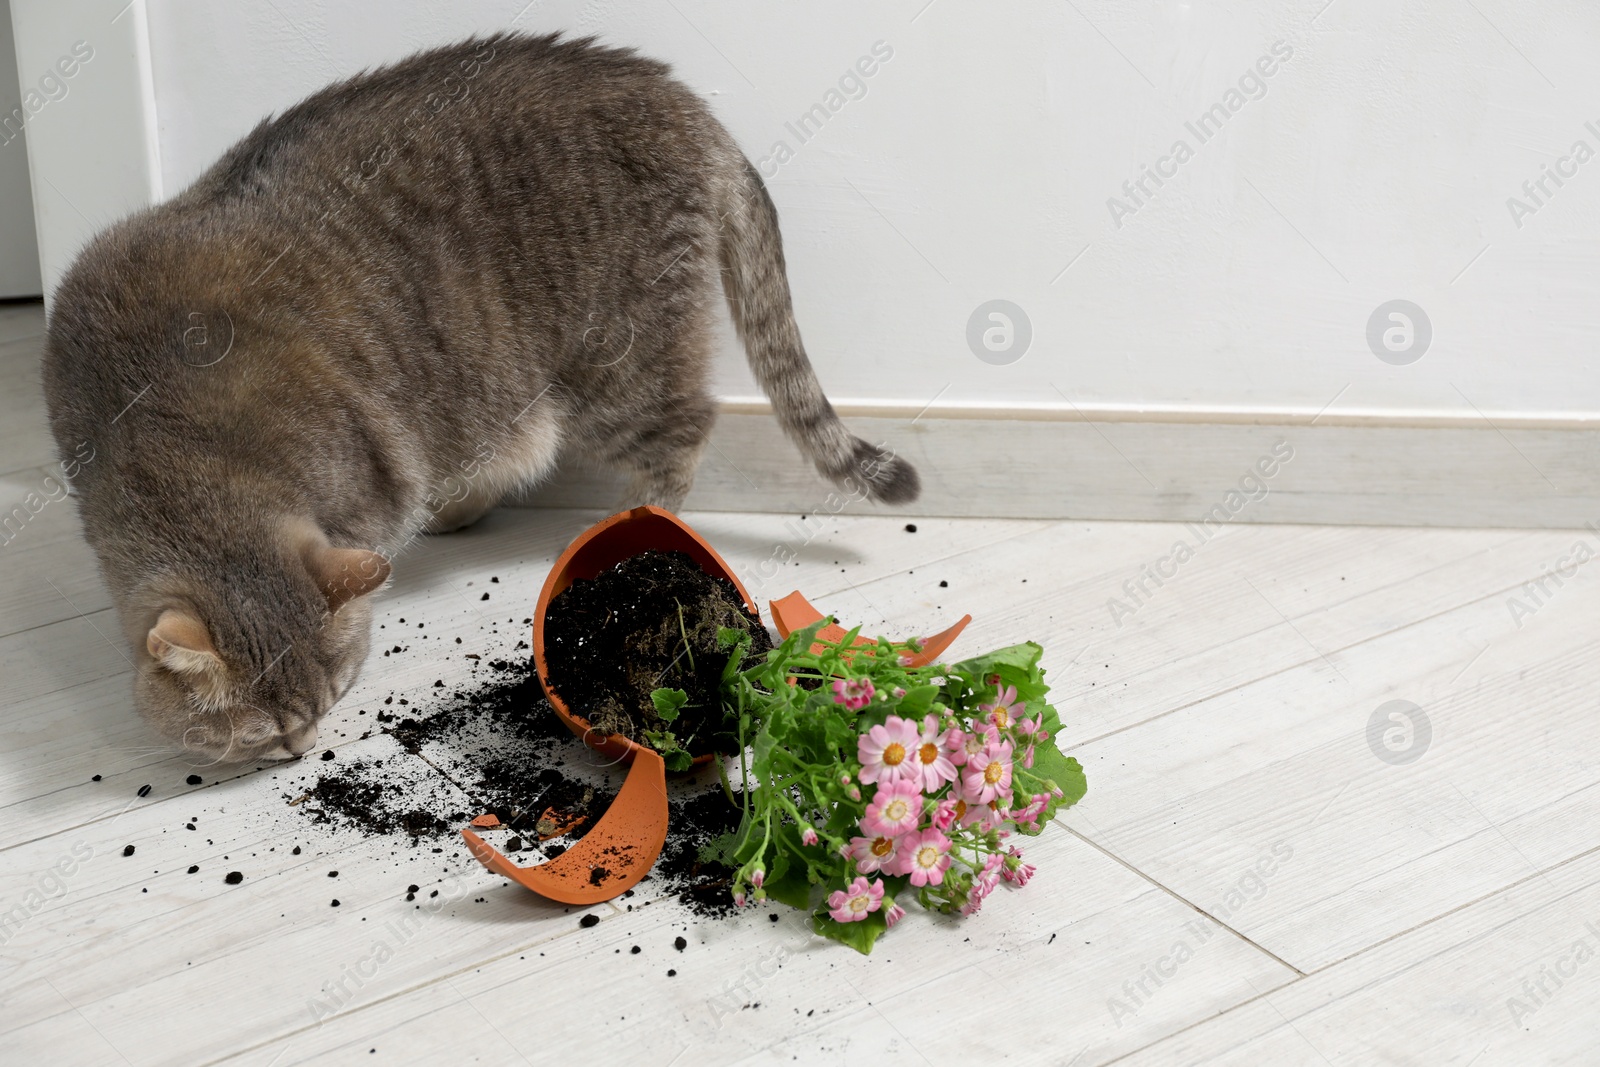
column 684, row 631
column 722, row 773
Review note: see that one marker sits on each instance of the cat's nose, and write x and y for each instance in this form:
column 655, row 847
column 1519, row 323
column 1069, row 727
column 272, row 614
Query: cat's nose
column 302, row 742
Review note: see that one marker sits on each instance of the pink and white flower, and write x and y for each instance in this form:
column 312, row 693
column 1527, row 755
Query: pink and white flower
column 853, row 693
column 856, row 901
column 1005, row 708
column 808, row 836
column 1028, row 814
column 877, row 853
column 893, row 915
column 896, row 808
column 887, row 752
column 988, row 774
column 1015, row 871
column 1030, row 732
column 961, row 746
column 975, row 898
column 985, row 817
column 932, row 758
column 927, row 856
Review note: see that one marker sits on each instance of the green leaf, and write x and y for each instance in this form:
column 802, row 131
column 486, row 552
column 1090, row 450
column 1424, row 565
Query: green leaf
column 720, row 849
column 673, row 754
column 728, row 636
column 858, row 935
column 918, row 700
column 791, row 888
column 667, row 702
column 1051, row 763
column 1023, row 658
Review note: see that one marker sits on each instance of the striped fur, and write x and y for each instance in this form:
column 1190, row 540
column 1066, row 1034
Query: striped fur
column 378, row 313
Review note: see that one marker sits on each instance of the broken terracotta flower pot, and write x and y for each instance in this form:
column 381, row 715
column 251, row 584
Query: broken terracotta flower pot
column 621, row 847
column 794, row 612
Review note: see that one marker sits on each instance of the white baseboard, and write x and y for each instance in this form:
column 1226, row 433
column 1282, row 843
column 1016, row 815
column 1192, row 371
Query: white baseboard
column 1167, row 466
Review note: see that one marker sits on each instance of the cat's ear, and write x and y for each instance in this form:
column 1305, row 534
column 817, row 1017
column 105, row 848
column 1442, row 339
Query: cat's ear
column 345, row 573
column 179, row 642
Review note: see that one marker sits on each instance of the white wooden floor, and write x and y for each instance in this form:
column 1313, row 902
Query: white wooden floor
column 1248, row 882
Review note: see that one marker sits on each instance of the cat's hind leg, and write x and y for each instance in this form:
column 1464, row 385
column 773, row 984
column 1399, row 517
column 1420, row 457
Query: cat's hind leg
column 459, row 514
column 663, row 453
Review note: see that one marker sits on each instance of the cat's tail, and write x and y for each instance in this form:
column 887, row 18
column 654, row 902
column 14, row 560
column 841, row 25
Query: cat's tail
column 758, row 294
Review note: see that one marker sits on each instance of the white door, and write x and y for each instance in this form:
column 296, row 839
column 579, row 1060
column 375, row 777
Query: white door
column 19, row 248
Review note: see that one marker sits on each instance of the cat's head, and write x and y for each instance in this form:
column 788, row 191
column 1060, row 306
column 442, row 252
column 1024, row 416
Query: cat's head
column 245, row 672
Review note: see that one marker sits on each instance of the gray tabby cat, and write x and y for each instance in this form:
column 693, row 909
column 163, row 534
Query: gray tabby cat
column 379, row 313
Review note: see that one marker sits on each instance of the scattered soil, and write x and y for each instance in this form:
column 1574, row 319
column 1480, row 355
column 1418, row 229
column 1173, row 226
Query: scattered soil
column 694, row 822
column 649, row 622
column 361, row 797
column 499, row 740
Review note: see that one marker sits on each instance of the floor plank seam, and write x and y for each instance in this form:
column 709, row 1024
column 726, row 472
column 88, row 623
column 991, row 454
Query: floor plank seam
column 413, row 988
column 1175, row 895
column 1389, row 976
column 58, row 622
column 1205, row 1020
column 1543, row 872
column 1320, row 658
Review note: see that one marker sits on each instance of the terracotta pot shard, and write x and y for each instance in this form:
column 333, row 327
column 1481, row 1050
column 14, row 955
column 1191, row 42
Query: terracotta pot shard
column 621, row 847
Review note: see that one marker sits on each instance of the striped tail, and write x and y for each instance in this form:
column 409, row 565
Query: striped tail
column 758, row 294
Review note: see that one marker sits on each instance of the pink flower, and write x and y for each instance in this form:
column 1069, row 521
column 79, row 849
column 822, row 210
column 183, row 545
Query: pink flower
column 931, row 759
column 738, row 900
column 887, row 752
column 1029, row 732
column 1029, row 814
column 1004, row 709
column 949, row 810
column 896, row 809
column 988, row 774
column 877, row 854
column 853, row 693
column 758, row 877
column 1015, row 871
column 856, row 901
column 808, row 836
column 961, row 746
column 893, row 915
column 985, row 817
column 927, row 855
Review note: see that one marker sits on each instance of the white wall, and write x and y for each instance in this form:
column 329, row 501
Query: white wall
column 980, row 162
column 19, row 250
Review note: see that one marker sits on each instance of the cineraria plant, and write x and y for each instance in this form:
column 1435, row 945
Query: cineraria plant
column 868, row 782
